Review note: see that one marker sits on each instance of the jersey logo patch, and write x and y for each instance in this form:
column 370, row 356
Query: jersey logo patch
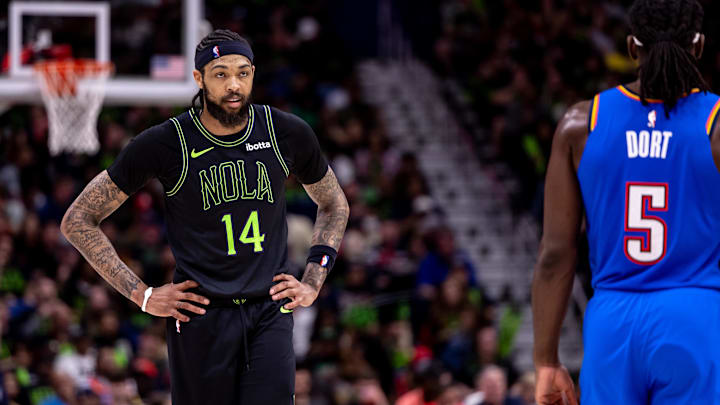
column 194, row 154
column 257, row 146
column 652, row 118
column 285, row 311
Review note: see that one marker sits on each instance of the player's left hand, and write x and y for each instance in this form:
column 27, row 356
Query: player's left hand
column 554, row 386
column 289, row 287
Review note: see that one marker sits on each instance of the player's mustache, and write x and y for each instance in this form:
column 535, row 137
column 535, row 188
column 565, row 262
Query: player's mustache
column 234, row 96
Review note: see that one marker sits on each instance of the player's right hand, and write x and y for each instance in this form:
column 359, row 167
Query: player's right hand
column 554, row 386
column 166, row 300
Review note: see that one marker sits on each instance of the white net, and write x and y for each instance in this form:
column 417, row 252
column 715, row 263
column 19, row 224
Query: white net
column 73, row 91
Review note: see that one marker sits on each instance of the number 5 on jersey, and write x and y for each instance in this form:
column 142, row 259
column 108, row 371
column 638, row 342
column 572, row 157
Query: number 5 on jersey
column 640, row 198
column 249, row 235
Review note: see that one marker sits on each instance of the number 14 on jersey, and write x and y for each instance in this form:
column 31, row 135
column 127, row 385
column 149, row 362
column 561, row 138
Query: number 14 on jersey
column 249, row 235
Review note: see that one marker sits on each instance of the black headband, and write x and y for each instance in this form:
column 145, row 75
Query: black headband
column 215, row 51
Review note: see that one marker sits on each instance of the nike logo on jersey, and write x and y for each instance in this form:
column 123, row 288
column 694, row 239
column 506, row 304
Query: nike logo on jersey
column 257, row 146
column 194, row 154
column 285, row 311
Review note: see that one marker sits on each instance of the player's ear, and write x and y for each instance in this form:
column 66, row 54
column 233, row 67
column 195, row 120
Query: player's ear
column 699, row 47
column 633, row 50
column 198, row 78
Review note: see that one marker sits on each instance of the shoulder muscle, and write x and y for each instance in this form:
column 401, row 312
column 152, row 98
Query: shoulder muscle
column 572, row 131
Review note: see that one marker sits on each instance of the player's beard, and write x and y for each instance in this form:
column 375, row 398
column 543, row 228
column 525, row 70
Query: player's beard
column 228, row 119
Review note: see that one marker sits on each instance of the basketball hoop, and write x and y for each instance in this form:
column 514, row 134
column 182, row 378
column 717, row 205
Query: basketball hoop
column 73, row 90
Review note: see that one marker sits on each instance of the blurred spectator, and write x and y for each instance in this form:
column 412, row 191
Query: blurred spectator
column 486, row 354
column 369, row 392
column 303, row 387
column 77, row 363
column 430, row 379
column 524, row 389
column 491, row 385
column 443, row 256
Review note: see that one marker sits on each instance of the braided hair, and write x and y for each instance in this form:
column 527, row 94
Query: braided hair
column 667, row 29
column 212, row 39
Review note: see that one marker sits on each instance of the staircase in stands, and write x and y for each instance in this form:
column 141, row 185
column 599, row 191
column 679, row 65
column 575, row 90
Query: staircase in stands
column 472, row 193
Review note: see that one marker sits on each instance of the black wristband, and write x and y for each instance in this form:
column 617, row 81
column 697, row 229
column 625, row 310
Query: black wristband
column 323, row 255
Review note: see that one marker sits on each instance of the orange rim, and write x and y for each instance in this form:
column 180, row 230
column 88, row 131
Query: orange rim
column 61, row 76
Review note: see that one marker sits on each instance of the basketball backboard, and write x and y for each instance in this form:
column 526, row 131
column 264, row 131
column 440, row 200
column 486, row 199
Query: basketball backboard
column 151, row 43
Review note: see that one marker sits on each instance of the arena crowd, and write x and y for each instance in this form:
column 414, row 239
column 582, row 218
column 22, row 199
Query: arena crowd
column 403, row 317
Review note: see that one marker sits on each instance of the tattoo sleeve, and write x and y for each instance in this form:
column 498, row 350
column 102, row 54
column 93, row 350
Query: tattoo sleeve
column 80, row 225
column 314, row 276
column 332, row 217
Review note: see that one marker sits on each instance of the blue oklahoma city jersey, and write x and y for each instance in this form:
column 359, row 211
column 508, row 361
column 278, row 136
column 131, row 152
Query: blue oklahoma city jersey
column 652, row 193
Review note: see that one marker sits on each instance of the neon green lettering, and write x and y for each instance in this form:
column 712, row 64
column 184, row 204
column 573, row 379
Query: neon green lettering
column 228, row 180
column 263, row 181
column 209, row 187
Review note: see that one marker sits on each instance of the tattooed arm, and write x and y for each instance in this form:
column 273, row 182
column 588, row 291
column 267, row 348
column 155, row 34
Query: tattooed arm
column 333, row 210
column 81, row 226
column 100, row 198
column 332, row 217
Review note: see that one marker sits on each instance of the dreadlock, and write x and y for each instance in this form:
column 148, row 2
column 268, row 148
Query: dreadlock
column 667, row 29
column 212, row 39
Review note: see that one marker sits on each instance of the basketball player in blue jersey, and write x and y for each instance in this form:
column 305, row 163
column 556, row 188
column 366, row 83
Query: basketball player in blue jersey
column 643, row 161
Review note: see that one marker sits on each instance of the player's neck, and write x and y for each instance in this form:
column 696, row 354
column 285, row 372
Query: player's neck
column 213, row 125
column 634, row 86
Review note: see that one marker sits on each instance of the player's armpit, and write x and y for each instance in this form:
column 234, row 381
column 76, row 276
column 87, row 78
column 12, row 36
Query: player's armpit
column 333, row 210
column 80, row 225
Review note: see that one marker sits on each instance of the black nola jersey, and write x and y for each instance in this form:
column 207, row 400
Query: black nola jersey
column 224, row 195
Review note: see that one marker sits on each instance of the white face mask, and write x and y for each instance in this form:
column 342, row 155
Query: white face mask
column 695, row 40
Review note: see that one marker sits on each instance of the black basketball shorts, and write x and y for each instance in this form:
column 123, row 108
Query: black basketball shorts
column 238, row 352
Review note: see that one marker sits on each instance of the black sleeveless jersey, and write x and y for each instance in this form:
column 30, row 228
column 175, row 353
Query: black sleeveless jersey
column 224, row 195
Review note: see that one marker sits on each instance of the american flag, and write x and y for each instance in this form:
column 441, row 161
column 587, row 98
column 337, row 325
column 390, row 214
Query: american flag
column 167, row 67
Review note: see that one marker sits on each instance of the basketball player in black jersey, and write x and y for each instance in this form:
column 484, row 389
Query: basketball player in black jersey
column 223, row 166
